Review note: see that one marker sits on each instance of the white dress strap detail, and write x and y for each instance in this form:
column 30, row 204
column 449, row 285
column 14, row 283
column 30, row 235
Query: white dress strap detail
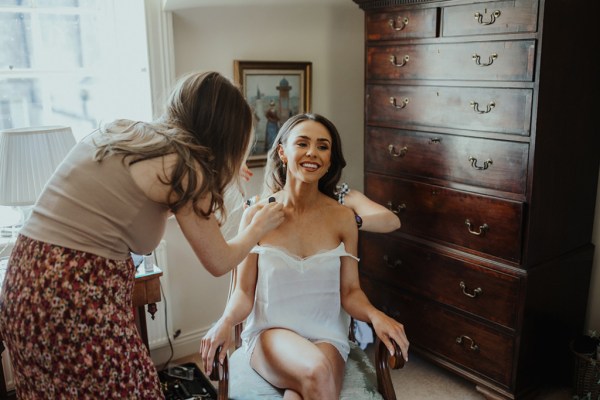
column 339, row 251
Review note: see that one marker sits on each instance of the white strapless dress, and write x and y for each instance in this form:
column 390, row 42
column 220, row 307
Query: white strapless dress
column 299, row 294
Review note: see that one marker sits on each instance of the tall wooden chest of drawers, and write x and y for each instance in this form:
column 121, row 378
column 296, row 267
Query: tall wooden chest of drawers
column 479, row 133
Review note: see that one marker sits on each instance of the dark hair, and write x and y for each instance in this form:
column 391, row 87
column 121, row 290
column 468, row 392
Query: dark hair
column 275, row 172
column 207, row 123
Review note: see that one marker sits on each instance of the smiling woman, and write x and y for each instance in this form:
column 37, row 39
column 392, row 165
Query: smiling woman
column 299, row 286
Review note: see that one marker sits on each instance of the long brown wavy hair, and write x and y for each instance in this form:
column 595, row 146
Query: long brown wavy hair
column 207, row 123
column 275, row 172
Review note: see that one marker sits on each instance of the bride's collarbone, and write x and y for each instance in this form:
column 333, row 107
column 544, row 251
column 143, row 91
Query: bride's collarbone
column 319, row 214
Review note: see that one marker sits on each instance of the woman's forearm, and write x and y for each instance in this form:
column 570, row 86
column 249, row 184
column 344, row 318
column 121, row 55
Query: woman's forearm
column 380, row 222
column 217, row 255
column 356, row 303
column 238, row 308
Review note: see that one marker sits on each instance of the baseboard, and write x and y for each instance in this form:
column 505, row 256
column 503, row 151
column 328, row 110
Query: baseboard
column 183, row 346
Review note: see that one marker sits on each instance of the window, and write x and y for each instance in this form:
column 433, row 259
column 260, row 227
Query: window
column 77, row 63
column 73, row 62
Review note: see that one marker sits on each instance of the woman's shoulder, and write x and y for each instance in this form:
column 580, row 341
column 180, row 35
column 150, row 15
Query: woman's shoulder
column 340, row 220
column 337, row 211
column 152, row 175
column 328, row 201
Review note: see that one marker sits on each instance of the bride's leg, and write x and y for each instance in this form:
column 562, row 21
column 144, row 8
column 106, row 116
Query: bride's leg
column 289, row 361
column 339, row 366
column 289, row 394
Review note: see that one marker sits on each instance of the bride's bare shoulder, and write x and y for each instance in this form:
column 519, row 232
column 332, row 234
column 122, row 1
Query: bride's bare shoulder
column 337, row 211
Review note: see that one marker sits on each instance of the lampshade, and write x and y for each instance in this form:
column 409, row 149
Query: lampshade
column 28, row 157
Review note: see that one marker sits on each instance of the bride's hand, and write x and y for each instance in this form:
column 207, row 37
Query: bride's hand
column 218, row 335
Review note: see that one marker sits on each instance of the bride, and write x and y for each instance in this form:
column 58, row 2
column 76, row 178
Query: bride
column 297, row 286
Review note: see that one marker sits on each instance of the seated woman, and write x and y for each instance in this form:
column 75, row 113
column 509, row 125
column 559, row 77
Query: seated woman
column 297, row 287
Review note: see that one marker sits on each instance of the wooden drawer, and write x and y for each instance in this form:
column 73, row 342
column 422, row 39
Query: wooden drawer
column 470, row 222
column 472, row 288
column 493, row 61
column 469, row 344
column 494, row 17
column 494, row 164
column 500, row 110
column 405, row 24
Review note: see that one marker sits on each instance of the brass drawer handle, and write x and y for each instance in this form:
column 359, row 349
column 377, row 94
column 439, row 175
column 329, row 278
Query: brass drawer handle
column 401, row 23
column 486, row 163
column 476, row 292
column 489, row 107
column 477, row 58
column 400, row 153
column 394, row 265
column 479, row 18
column 396, row 106
column 482, row 228
column 395, row 63
column 435, row 140
column 473, row 347
column 399, row 208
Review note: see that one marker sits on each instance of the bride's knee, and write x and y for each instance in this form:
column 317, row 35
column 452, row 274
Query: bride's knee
column 318, row 379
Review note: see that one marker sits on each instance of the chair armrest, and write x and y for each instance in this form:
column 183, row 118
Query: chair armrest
column 220, row 374
column 397, row 360
column 383, row 362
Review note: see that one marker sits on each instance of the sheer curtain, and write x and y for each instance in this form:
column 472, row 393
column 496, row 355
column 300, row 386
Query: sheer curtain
column 78, row 63
column 73, row 62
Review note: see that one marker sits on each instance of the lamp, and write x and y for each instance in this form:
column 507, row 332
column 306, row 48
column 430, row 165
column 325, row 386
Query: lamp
column 28, row 157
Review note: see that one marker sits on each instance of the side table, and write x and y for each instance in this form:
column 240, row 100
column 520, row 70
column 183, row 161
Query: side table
column 146, row 293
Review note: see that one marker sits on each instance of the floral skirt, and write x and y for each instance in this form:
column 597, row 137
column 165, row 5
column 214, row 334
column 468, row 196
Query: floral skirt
column 67, row 319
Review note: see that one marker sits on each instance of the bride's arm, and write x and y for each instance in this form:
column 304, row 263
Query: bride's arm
column 355, row 301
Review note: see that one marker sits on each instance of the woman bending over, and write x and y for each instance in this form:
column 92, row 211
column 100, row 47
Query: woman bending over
column 66, row 302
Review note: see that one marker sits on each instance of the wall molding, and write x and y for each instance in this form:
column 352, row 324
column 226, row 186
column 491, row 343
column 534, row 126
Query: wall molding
column 161, row 56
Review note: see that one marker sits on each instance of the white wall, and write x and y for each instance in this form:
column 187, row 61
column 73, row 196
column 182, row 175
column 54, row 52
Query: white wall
column 330, row 35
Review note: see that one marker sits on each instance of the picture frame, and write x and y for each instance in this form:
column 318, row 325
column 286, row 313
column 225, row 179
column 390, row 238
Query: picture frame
column 275, row 90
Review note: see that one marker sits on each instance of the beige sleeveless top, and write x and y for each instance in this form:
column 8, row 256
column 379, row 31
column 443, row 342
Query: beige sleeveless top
column 96, row 207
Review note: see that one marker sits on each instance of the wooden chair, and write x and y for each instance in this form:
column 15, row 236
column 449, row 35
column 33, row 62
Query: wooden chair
column 362, row 380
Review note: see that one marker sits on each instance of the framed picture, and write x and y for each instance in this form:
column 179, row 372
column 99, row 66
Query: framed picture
column 276, row 90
